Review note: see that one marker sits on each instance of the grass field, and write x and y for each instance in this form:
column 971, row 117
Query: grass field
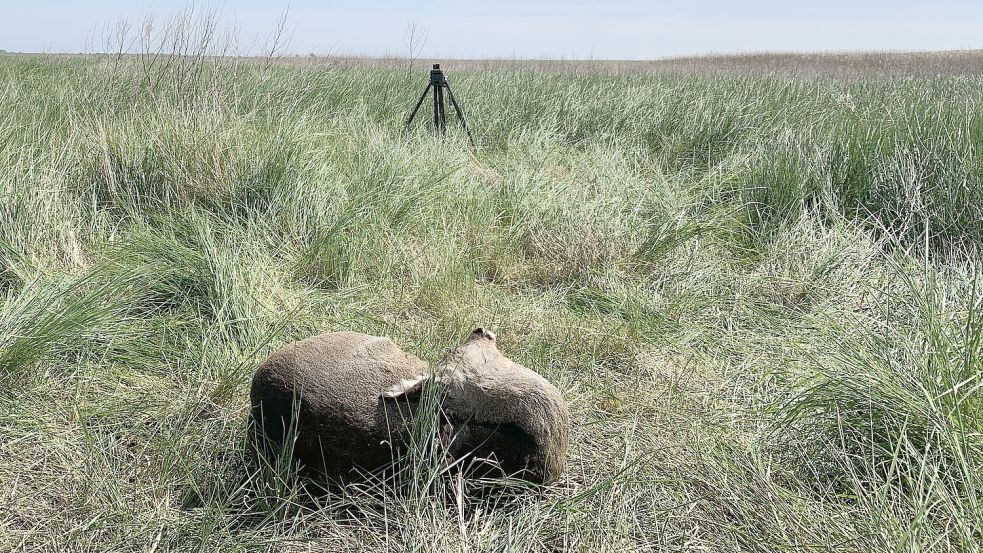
column 760, row 295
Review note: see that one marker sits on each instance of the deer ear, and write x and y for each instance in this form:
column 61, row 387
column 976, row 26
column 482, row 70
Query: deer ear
column 406, row 388
column 482, row 333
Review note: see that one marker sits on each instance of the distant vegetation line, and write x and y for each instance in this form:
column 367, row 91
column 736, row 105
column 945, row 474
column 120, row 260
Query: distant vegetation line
column 833, row 63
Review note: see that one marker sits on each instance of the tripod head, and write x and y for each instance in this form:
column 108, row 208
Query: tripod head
column 437, row 77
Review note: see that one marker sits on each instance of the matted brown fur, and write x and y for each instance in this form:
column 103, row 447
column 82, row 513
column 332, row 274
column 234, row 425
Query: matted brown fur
column 499, row 410
column 334, row 383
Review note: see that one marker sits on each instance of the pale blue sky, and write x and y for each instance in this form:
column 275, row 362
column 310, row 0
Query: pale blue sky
column 551, row 28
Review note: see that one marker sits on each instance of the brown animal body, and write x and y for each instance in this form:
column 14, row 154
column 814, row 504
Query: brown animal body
column 348, row 400
column 500, row 410
column 493, row 390
column 333, row 384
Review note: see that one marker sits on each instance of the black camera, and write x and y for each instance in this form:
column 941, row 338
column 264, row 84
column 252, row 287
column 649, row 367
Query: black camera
column 437, row 77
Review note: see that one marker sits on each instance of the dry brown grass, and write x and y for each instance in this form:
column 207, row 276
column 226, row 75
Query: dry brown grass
column 839, row 64
column 847, row 64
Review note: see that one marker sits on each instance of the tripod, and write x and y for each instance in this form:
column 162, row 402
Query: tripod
column 438, row 82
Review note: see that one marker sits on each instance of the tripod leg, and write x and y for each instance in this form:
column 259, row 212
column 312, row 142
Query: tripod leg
column 460, row 114
column 418, row 104
column 441, row 108
column 436, row 110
